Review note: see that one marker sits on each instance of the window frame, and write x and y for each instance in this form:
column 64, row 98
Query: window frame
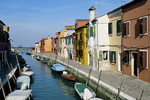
column 129, row 29
column 141, row 34
column 146, row 57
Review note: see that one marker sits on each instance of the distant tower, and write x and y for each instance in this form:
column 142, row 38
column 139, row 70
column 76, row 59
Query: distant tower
column 92, row 14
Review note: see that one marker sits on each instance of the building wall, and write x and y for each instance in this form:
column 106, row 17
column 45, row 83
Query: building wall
column 131, row 13
column 115, row 38
column 83, row 55
column 47, row 46
column 102, row 40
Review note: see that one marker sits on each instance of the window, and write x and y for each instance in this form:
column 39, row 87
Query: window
column 109, row 28
column 143, row 59
column 91, row 31
column 105, row 55
column 100, row 55
column 142, row 26
column 126, row 29
column 119, row 26
column 112, row 57
column 126, row 55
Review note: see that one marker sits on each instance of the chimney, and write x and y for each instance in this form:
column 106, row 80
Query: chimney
column 92, row 13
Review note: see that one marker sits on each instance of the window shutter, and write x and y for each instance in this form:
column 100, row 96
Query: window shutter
column 100, row 55
column 91, row 31
column 144, row 25
column 124, row 29
column 138, row 29
column 144, row 56
column 127, row 28
column 87, row 32
column 114, row 57
column 111, row 56
column 109, row 28
column 119, row 26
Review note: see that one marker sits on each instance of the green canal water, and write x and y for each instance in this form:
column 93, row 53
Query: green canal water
column 48, row 85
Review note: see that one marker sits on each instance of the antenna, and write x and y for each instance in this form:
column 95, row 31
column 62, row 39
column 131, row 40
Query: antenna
column 96, row 6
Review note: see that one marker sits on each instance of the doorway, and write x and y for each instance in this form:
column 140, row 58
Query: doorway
column 135, row 68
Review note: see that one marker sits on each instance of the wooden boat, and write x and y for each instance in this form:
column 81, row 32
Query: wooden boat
column 27, row 73
column 45, row 61
column 67, row 76
column 26, row 68
column 23, row 83
column 58, row 68
column 20, row 95
column 80, row 89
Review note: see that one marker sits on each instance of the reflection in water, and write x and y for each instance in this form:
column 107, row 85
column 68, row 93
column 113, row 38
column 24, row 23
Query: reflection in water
column 48, row 85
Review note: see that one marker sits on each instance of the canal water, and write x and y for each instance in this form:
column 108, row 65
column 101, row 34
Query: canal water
column 48, row 85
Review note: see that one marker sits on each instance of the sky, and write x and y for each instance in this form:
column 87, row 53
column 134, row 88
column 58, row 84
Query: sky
column 31, row 20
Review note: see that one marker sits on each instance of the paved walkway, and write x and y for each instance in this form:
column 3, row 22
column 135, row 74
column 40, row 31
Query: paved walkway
column 131, row 86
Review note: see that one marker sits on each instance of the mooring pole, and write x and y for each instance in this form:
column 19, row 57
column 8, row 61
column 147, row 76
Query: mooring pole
column 8, row 83
column 99, row 78
column 2, row 88
column 89, row 76
column 18, row 64
column 11, row 71
column 119, row 89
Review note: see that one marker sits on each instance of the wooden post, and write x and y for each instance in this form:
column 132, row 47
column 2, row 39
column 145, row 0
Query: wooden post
column 99, row 78
column 89, row 76
column 18, row 64
column 11, row 71
column 119, row 89
column 141, row 94
column 2, row 88
column 8, row 83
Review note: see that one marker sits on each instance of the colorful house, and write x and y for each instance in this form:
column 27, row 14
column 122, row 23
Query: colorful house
column 136, row 39
column 81, row 45
column 115, row 34
column 37, row 47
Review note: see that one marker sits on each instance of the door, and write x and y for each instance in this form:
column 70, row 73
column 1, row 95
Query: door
column 119, row 62
column 135, row 68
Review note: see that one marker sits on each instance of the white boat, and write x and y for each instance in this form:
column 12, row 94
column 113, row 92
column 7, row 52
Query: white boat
column 23, row 83
column 28, row 73
column 88, row 95
column 80, row 89
column 20, row 95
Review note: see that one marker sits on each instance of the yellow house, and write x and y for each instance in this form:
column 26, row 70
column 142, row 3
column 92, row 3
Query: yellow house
column 47, row 45
column 81, row 45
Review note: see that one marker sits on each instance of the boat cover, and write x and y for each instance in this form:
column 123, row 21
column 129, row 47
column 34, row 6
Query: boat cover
column 19, row 95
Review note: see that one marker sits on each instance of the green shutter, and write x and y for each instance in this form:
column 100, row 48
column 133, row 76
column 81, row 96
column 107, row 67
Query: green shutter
column 87, row 32
column 94, row 32
column 109, row 28
column 91, row 31
column 111, row 56
column 114, row 57
column 100, row 55
column 119, row 26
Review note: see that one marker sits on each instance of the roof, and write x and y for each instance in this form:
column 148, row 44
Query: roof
column 2, row 22
column 92, row 8
column 82, row 19
column 130, row 3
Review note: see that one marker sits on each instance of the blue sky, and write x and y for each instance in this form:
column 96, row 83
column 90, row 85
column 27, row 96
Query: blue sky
column 32, row 20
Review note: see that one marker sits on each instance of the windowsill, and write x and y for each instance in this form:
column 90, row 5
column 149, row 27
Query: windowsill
column 126, row 36
column 113, row 63
column 143, row 34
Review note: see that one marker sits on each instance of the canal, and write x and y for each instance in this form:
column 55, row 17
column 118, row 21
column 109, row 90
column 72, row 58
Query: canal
column 48, row 85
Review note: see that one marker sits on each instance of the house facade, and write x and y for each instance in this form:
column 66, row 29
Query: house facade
column 136, row 39
column 115, row 34
column 37, row 47
column 4, row 44
column 47, row 45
